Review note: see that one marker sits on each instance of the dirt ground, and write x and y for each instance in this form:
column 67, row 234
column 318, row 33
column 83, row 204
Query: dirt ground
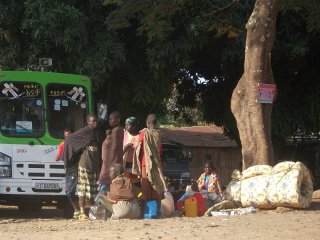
column 48, row 224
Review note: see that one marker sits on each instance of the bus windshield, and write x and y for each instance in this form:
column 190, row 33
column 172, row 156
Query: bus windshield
column 21, row 109
column 67, row 108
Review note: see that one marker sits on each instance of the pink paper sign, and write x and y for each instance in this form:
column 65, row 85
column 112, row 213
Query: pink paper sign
column 266, row 93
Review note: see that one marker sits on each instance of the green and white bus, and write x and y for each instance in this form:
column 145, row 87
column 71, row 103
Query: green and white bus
column 35, row 108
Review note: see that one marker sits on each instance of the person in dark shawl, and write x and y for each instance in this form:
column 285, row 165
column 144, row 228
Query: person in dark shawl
column 112, row 149
column 74, row 145
column 147, row 162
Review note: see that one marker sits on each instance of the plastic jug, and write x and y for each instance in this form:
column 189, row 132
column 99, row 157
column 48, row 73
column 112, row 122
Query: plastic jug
column 191, row 207
column 151, row 209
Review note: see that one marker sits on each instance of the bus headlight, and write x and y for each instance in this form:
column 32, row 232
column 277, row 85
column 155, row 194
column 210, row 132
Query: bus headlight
column 5, row 166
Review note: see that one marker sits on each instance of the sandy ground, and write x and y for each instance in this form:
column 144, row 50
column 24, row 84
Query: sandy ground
column 48, row 224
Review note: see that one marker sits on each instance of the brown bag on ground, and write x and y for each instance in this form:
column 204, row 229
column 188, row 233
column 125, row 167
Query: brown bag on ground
column 121, row 189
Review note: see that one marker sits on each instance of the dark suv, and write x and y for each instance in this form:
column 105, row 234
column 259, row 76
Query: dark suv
column 176, row 168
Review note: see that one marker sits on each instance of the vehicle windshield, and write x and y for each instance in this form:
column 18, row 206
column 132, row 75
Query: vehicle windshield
column 21, row 109
column 173, row 155
column 67, row 108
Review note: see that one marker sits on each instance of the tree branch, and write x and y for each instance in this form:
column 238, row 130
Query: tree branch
column 220, row 9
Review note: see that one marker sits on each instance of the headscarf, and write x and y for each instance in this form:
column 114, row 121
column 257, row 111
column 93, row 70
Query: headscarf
column 132, row 121
column 118, row 168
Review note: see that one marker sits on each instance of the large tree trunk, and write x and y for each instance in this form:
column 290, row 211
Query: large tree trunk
column 253, row 118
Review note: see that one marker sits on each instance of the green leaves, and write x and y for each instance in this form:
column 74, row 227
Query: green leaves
column 135, row 51
column 54, row 22
column 309, row 9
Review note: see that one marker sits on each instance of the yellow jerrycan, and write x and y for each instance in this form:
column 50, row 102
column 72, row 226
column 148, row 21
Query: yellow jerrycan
column 191, row 207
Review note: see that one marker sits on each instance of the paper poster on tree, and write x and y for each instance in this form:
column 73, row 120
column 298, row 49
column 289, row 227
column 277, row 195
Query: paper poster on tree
column 266, row 93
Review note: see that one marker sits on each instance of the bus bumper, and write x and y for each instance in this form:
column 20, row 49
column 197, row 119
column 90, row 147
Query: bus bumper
column 39, row 187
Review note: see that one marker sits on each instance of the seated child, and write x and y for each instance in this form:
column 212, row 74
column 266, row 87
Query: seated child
column 193, row 191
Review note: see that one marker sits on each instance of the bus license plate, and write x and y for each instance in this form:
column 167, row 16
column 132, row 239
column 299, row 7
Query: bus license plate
column 47, row 186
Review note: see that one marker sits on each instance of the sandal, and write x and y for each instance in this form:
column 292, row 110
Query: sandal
column 76, row 215
column 83, row 217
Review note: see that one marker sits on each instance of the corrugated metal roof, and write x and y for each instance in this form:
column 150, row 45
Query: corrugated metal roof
column 198, row 136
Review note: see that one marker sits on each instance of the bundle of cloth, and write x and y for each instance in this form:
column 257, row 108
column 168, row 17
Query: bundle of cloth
column 254, row 184
column 288, row 184
column 233, row 190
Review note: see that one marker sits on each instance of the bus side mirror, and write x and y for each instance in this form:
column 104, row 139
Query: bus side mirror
column 102, row 111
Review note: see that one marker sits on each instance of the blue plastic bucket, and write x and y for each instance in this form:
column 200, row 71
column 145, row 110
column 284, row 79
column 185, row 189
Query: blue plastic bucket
column 151, row 209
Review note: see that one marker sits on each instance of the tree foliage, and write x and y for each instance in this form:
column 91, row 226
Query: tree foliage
column 136, row 51
column 296, row 69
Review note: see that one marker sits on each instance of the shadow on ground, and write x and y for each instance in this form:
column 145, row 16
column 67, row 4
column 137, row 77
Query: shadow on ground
column 315, row 205
column 11, row 212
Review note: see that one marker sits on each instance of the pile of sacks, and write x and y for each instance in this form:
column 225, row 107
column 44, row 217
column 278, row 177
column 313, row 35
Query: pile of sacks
column 288, row 184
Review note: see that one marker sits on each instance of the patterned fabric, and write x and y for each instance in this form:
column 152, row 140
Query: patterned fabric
column 213, row 183
column 149, row 147
column 256, row 170
column 254, row 192
column 87, row 183
column 254, row 186
column 233, row 190
column 290, row 185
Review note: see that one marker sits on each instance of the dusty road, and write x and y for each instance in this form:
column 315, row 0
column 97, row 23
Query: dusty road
column 265, row 225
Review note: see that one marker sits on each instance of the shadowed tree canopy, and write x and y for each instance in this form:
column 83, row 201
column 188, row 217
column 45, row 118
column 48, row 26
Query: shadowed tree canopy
column 137, row 51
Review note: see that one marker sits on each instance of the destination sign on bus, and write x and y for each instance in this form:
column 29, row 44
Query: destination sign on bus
column 57, row 93
column 13, row 90
column 64, row 91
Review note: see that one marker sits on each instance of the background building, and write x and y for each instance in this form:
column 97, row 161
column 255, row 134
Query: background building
column 206, row 143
